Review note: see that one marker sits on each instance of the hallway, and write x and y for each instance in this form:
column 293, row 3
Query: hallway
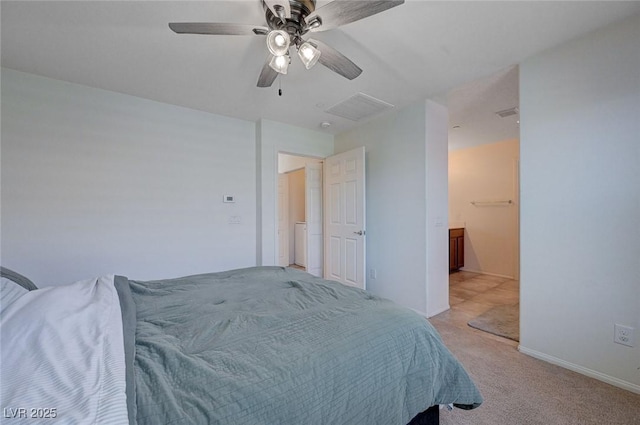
column 471, row 294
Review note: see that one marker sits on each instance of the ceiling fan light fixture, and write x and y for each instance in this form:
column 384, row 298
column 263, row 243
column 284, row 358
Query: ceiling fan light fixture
column 278, row 42
column 280, row 63
column 286, row 22
column 308, row 54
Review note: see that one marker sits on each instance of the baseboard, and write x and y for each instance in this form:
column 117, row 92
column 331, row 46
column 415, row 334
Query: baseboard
column 438, row 311
column 581, row 370
column 421, row 313
column 464, row 269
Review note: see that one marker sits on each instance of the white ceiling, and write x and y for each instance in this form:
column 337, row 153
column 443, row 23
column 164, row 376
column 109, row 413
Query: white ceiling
column 472, row 110
column 419, row 50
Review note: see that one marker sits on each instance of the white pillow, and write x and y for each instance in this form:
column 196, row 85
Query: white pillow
column 62, row 355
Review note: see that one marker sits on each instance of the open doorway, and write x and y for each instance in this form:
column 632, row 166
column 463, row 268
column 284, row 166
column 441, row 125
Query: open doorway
column 293, row 232
column 320, row 218
column 484, row 203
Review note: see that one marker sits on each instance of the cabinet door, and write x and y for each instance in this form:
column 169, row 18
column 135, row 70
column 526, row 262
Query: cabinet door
column 459, row 252
column 453, row 250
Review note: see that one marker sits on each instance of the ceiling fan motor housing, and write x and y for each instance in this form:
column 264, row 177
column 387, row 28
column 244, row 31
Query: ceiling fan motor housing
column 295, row 25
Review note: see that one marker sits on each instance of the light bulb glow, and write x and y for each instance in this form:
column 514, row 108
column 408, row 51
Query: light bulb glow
column 307, row 52
column 279, row 40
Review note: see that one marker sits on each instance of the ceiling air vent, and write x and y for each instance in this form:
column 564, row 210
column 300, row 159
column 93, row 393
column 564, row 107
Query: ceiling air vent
column 507, row 112
column 359, row 106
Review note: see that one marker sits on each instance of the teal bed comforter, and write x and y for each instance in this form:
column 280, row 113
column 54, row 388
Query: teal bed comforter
column 277, row 346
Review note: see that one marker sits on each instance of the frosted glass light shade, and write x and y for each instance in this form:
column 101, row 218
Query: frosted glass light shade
column 308, row 54
column 280, row 63
column 278, row 42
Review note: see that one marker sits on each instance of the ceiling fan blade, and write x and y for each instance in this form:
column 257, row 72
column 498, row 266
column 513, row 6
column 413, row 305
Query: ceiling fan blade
column 214, row 28
column 275, row 5
column 267, row 75
column 341, row 12
column 336, row 61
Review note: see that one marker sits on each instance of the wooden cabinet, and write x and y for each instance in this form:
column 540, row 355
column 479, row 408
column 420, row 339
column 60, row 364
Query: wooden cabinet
column 456, row 249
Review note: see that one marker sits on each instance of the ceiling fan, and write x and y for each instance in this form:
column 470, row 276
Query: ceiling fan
column 287, row 22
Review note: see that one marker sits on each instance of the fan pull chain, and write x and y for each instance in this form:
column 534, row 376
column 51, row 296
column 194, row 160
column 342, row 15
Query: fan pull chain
column 279, row 86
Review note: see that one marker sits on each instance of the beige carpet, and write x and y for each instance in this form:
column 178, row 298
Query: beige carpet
column 503, row 320
column 521, row 390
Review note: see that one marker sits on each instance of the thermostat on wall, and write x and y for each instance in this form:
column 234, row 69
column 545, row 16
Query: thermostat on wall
column 229, row 198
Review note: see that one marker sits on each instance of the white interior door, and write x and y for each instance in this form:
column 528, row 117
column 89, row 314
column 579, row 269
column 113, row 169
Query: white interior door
column 344, row 185
column 283, row 220
column 313, row 213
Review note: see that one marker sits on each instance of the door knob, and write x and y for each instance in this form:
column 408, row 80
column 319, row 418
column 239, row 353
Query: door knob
column 359, row 232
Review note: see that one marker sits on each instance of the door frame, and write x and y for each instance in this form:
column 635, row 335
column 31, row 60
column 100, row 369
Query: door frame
column 276, row 210
column 283, row 231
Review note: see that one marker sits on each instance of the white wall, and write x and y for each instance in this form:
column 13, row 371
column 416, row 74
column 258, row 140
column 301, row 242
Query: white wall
column 271, row 138
column 96, row 182
column 482, row 173
column 396, row 192
column 436, row 196
column 580, row 196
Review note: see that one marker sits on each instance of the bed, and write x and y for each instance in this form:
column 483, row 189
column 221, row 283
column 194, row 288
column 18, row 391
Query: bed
column 260, row 345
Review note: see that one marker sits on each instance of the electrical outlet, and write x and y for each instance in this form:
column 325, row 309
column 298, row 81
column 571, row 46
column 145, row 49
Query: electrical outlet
column 623, row 335
column 373, row 273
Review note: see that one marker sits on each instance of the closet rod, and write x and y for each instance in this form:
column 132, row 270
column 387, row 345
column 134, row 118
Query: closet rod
column 490, row 203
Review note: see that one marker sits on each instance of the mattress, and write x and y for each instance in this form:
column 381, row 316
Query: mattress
column 273, row 345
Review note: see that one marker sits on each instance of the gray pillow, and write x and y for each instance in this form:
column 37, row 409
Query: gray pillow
column 17, row 278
